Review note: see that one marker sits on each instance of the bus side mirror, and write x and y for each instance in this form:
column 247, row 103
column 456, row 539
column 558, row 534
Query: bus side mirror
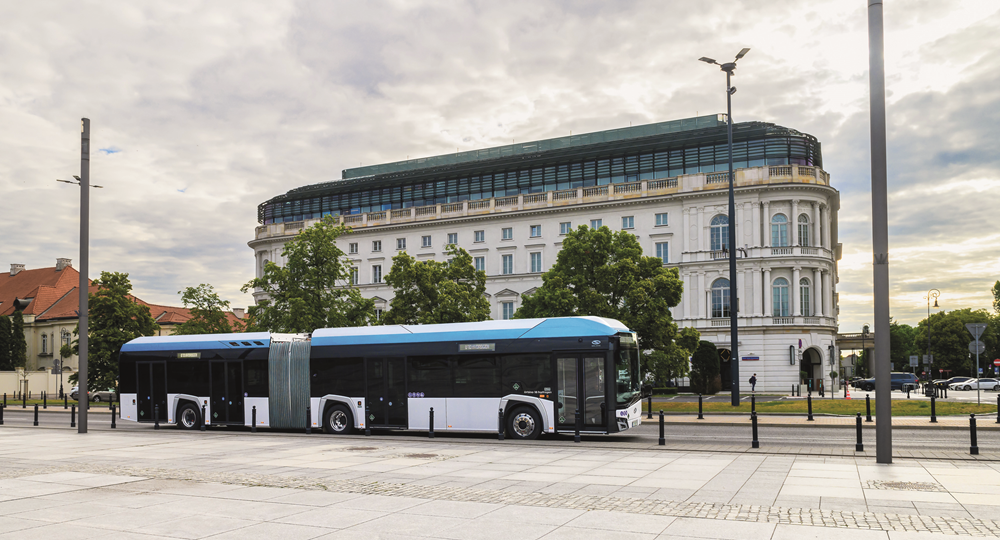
column 647, row 390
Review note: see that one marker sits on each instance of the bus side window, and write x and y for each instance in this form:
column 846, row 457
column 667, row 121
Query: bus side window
column 255, row 378
column 338, row 376
column 528, row 372
column 430, row 376
column 477, row 376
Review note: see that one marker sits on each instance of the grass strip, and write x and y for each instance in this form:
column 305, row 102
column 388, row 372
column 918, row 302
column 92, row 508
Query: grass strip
column 848, row 407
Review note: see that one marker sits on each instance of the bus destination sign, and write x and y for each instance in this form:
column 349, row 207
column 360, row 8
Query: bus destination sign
column 189, row 355
column 477, row 347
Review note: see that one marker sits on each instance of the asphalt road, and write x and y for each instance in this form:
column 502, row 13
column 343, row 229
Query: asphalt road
column 736, row 436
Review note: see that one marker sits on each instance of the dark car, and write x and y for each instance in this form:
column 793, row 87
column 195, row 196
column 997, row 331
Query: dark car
column 898, row 381
column 945, row 383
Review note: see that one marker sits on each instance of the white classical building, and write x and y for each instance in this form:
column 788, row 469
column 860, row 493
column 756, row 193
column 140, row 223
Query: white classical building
column 666, row 183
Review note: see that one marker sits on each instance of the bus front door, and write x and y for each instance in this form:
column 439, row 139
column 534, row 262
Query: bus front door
column 580, row 388
column 386, row 391
column 151, row 390
column 227, row 392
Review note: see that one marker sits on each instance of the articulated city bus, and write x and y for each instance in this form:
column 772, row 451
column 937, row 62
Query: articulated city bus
column 535, row 375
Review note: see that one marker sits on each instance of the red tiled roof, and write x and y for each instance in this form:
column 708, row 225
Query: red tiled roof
column 44, row 285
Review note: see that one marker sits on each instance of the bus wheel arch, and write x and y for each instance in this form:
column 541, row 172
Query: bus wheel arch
column 188, row 415
column 523, row 422
column 337, row 419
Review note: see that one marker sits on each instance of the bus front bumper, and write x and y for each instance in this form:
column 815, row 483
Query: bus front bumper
column 630, row 417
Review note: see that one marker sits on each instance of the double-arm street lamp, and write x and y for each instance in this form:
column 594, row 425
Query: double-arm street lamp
column 734, row 362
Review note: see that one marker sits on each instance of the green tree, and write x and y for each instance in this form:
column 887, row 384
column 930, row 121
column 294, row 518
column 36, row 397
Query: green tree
column 992, row 337
column 705, row 378
column 18, row 345
column 950, row 340
column 115, row 318
column 208, row 312
column 901, row 345
column 673, row 362
column 996, row 297
column 603, row 273
column 5, row 344
column 313, row 290
column 430, row 292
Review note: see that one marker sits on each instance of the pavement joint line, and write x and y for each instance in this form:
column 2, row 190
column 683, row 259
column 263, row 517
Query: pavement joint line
column 703, row 510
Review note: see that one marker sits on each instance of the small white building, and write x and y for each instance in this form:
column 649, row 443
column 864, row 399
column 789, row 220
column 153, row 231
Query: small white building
column 666, row 183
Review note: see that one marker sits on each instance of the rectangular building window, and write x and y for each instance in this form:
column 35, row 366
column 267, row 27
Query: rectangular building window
column 663, row 251
column 536, row 231
column 354, row 275
column 596, row 223
column 452, row 238
column 565, row 227
column 45, row 344
column 352, row 248
column 508, row 264
column 480, row 263
column 661, row 220
column 628, row 222
column 378, row 314
column 400, row 244
column 376, row 245
column 425, row 241
column 377, row 273
column 479, row 236
column 507, row 233
column 536, row 262
column 507, row 309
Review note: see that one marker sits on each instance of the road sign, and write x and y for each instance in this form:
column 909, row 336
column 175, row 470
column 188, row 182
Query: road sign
column 976, row 329
column 977, row 347
column 996, row 362
column 914, row 360
column 980, row 371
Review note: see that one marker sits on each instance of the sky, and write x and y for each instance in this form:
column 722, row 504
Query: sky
column 200, row 111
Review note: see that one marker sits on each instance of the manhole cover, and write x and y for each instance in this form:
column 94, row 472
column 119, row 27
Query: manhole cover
column 905, row 486
column 421, row 456
column 360, row 448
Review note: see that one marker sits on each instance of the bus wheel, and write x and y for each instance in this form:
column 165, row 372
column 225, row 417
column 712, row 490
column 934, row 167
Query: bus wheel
column 188, row 417
column 338, row 420
column 524, row 423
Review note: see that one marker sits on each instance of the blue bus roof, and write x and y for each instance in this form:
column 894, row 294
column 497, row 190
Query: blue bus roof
column 198, row 342
column 558, row 327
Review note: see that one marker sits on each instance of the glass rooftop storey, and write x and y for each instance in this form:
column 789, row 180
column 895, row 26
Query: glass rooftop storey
column 582, row 165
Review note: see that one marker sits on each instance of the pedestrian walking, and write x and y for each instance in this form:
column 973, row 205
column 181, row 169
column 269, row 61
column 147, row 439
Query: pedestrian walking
column 753, row 382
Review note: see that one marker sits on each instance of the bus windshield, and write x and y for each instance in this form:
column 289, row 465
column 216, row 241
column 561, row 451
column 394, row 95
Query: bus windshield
column 627, row 370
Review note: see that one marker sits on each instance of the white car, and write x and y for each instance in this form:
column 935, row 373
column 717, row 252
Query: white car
column 973, row 384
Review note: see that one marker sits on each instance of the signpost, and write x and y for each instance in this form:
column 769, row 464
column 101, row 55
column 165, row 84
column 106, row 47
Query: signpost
column 914, row 361
column 977, row 329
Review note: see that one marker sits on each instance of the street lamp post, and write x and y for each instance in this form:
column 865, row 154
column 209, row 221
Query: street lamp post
column 933, row 293
column 734, row 362
column 864, row 351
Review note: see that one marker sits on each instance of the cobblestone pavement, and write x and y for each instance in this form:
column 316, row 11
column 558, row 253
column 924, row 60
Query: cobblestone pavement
column 170, row 484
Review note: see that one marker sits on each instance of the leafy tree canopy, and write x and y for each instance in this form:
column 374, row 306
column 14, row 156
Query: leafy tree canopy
column 115, row 318
column 674, row 361
column 705, row 368
column 902, row 345
column 603, row 273
column 208, row 312
column 6, row 340
column 313, row 289
column 18, row 344
column 950, row 340
column 429, row 292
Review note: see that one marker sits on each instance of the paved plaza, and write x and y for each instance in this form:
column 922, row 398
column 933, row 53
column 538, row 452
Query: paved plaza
column 221, row 484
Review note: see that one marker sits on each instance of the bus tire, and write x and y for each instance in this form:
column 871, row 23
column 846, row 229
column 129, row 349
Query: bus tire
column 524, row 423
column 337, row 420
column 188, row 416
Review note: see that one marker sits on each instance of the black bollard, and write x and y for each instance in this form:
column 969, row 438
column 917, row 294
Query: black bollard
column 309, row 420
column 65, row 401
column 5, row 399
column 998, row 408
column 576, row 424
column 753, row 404
column 933, row 411
column 662, row 440
column 72, row 415
column 809, row 402
column 945, row 390
column 204, row 418
column 700, row 416
column 156, row 416
column 114, row 415
column 500, row 425
column 36, row 414
column 845, row 389
column 753, row 420
column 368, row 427
column 45, row 400
column 859, row 447
column 907, row 392
column 253, row 419
column 430, row 432
column 868, row 408
column 2, row 407
column 24, row 401
column 649, row 413
column 974, row 449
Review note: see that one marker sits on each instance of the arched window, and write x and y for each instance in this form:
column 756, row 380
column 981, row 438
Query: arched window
column 779, row 230
column 779, row 295
column 720, row 232
column 720, row 298
column 803, row 230
column 804, row 303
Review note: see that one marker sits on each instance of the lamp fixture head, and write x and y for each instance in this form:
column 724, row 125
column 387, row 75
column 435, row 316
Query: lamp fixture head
column 935, row 302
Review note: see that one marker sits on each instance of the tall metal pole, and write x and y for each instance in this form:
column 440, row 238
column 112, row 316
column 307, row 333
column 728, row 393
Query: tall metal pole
column 84, row 269
column 734, row 357
column 880, row 234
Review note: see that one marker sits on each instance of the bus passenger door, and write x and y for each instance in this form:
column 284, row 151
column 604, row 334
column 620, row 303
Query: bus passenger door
column 158, row 374
column 151, row 390
column 385, row 387
column 219, row 395
column 234, row 387
column 580, row 390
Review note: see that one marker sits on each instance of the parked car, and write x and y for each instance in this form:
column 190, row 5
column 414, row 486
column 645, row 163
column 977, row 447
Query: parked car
column 946, row 383
column 73, row 394
column 973, row 384
column 898, row 381
column 96, row 397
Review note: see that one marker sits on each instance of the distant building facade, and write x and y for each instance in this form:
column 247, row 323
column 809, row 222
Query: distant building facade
column 666, row 183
